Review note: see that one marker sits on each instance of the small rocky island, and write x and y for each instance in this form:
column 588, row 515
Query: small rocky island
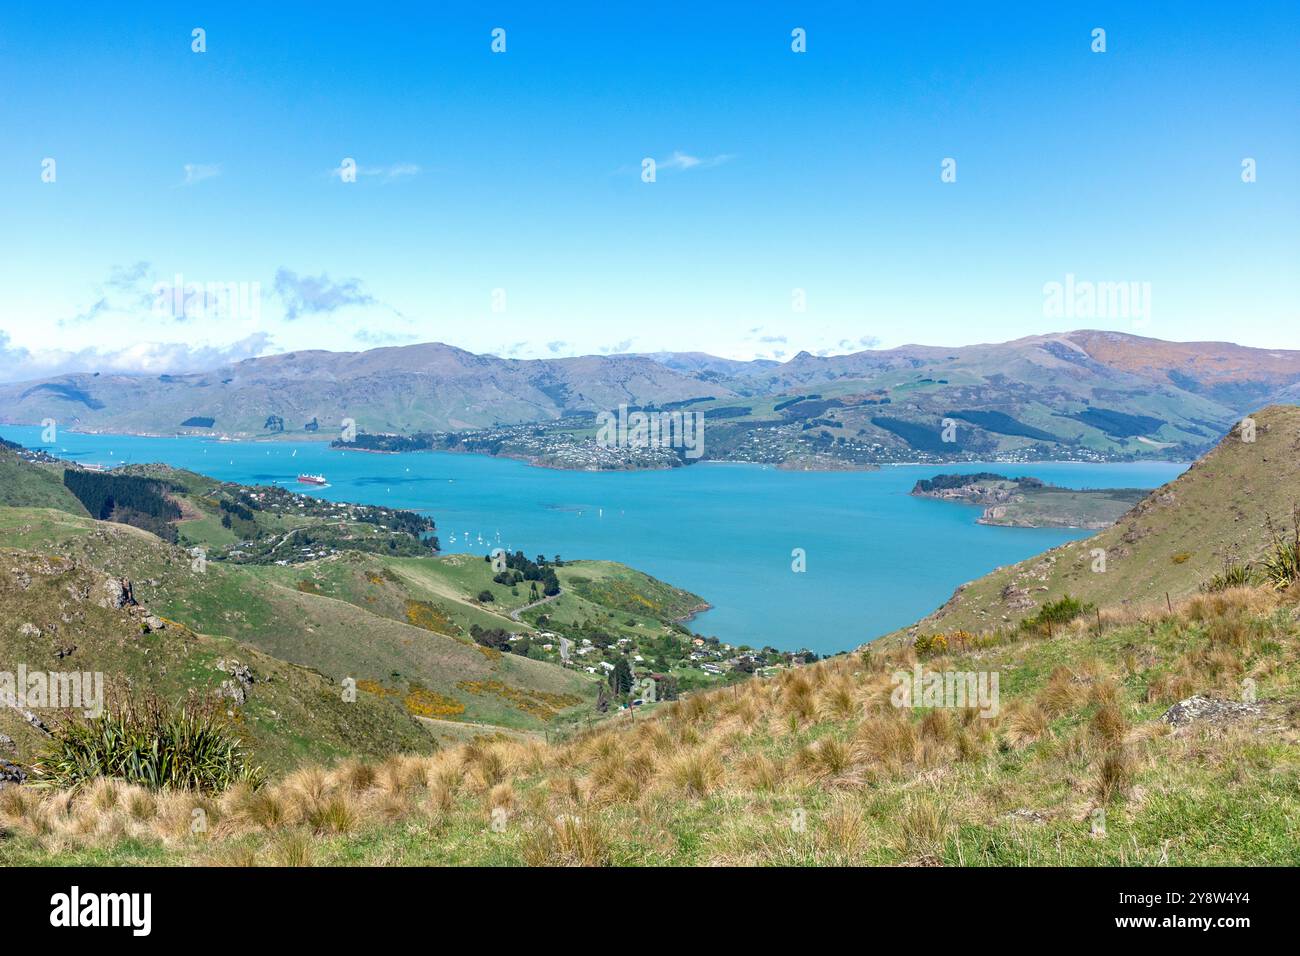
column 1030, row 503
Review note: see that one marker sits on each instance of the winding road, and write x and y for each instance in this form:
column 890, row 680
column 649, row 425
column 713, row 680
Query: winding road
column 514, row 615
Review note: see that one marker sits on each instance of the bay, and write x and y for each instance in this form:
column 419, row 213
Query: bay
column 876, row 558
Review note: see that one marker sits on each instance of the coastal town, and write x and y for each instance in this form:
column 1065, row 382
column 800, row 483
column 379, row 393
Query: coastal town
column 811, row 444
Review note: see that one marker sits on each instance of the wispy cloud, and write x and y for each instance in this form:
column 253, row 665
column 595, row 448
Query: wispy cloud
column 125, row 290
column 98, row 308
column 197, row 172
column 387, row 174
column 617, row 348
column 376, row 338
column 20, row 364
column 317, row 295
column 684, row 161
column 127, row 278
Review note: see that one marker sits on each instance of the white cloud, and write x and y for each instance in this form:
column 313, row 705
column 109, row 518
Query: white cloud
column 197, row 172
column 316, row 295
column 129, row 283
column 387, row 174
column 683, row 161
column 20, row 364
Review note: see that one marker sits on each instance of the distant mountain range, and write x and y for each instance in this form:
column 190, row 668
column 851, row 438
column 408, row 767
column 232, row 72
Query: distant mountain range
column 1079, row 394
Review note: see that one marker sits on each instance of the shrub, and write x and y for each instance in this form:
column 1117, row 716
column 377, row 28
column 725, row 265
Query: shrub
column 931, row 644
column 1061, row 611
column 1235, row 574
column 1281, row 565
column 148, row 742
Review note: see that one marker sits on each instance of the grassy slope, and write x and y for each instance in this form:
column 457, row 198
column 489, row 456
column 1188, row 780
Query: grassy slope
column 1066, row 508
column 1048, row 506
column 402, row 623
column 386, row 587
column 722, row 777
column 34, row 486
column 292, row 713
column 621, row 602
column 817, row 767
column 1171, row 541
column 330, row 635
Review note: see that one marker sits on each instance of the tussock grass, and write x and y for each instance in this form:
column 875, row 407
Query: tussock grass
column 924, row 824
column 719, row 777
column 566, row 840
column 292, row 849
column 694, row 773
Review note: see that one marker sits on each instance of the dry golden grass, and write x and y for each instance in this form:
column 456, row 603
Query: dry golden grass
column 1115, row 771
column 292, row 848
column 694, row 774
column 1025, row 724
column 844, row 827
column 758, row 771
column 924, row 825
column 1108, row 724
column 502, row 796
column 798, row 700
column 826, row 737
column 566, row 840
column 1064, row 692
column 889, row 739
column 827, row 759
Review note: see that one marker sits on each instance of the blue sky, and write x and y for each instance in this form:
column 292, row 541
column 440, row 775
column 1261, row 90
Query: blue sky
column 521, row 172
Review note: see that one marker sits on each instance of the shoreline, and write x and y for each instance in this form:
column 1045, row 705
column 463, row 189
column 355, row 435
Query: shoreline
column 536, row 463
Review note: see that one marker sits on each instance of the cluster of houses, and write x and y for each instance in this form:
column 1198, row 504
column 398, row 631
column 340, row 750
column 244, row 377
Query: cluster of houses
column 557, row 445
column 713, row 658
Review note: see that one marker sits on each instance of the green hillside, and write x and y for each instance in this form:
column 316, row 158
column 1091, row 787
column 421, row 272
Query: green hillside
column 294, row 620
column 356, row 592
column 1127, row 745
column 1143, row 734
column 28, row 484
column 1173, row 541
column 59, row 618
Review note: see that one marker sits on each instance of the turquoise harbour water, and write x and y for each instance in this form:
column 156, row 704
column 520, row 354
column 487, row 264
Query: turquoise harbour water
column 877, row 559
